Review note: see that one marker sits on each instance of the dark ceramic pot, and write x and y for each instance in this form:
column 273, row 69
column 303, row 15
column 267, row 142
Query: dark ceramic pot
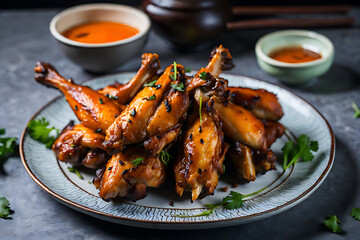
column 188, row 24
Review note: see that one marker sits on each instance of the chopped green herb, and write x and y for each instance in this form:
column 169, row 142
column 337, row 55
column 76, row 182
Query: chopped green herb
column 179, row 87
column 137, row 161
column 188, row 69
column 202, row 75
column 200, row 103
column 357, row 110
column 153, row 97
column 150, row 84
column 173, row 77
column 7, row 146
column 113, row 97
column 74, row 170
column 89, row 182
column 39, row 131
column 303, row 149
column 333, row 224
column 165, row 157
column 101, row 101
column 355, row 213
column 4, row 208
column 223, row 168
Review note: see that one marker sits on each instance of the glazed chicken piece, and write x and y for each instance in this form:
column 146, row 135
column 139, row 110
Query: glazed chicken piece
column 201, row 157
column 273, row 131
column 241, row 125
column 220, row 59
column 125, row 93
column 122, row 178
column 242, row 158
column 264, row 161
column 95, row 159
column 75, row 141
column 93, row 109
column 131, row 125
column 261, row 103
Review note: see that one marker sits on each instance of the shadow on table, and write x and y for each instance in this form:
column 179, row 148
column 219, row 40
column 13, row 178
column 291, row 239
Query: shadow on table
column 338, row 79
column 301, row 222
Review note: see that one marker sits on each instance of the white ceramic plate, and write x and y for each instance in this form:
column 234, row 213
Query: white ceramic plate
column 155, row 211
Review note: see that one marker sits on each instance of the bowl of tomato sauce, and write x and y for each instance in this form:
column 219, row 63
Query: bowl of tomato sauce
column 295, row 56
column 100, row 37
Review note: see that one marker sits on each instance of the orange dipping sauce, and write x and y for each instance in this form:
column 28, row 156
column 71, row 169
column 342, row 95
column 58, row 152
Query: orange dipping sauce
column 294, row 54
column 100, row 32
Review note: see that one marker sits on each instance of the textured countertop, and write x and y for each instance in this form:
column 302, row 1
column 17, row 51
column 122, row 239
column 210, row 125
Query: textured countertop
column 25, row 39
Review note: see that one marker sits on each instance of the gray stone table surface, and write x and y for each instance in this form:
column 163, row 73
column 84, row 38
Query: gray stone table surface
column 25, row 39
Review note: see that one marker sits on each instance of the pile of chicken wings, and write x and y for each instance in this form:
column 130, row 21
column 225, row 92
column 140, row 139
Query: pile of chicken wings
column 125, row 131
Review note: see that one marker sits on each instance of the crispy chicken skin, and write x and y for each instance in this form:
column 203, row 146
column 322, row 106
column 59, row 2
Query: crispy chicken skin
column 242, row 158
column 201, row 157
column 273, row 130
column 263, row 104
column 121, row 178
column 220, row 59
column 74, row 142
column 92, row 108
column 125, row 93
column 131, row 125
column 95, row 159
column 241, row 125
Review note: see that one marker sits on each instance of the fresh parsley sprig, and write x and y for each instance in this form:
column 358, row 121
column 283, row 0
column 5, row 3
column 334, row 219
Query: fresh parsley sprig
column 74, row 170
column 165, row 157
column 178, row 86
column 39, row 131
column 5, row 210
column 7, row 146
column 302, row 148
column 356, row 109
column 333, row 224
column 137, row 161
column 355, row 213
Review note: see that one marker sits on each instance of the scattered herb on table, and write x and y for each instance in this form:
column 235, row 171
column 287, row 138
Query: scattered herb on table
column 356, row 109
column 39, row 130
column 74, row 170
column 137, row 161
column 300, row 149
column 150, row 84
column 178, row 86
column 7, row 146
column 355, row 213
column 165, row 157
column 333, row 224
column 4, row 208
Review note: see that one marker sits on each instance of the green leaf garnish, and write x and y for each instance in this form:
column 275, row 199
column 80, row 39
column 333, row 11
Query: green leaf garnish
column 301, row 150
column 39, row 131
column 165, row 157
column 355, row 213
column 7, row 146
column 4, row 208
column 173, row 77
column 200, row 103
column 150, row 84
column 152, row 97
column 74, row 170
column 356, row 109
column 202, row 75
column 101, row 101
column 188, row 69
column 333, row 224
column 178, row 86
column 137, row 161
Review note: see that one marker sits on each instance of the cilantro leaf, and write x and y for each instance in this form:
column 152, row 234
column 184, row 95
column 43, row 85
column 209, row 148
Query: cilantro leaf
column 4, row 208
column 74, row 170
column 301, row 150
column 356, row 109
column 178, row 86
column 202, row 75
column 234, row 200
column 188, row 69
column 39, row 131
column 137, row 161
column 333, row 224
column 355, row 213
column 7, row 147
column 150, row 84
column 165, row 157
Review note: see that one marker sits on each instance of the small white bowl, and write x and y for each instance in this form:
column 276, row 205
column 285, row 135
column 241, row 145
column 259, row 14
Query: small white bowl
column 101, row 57
column 295, row 73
